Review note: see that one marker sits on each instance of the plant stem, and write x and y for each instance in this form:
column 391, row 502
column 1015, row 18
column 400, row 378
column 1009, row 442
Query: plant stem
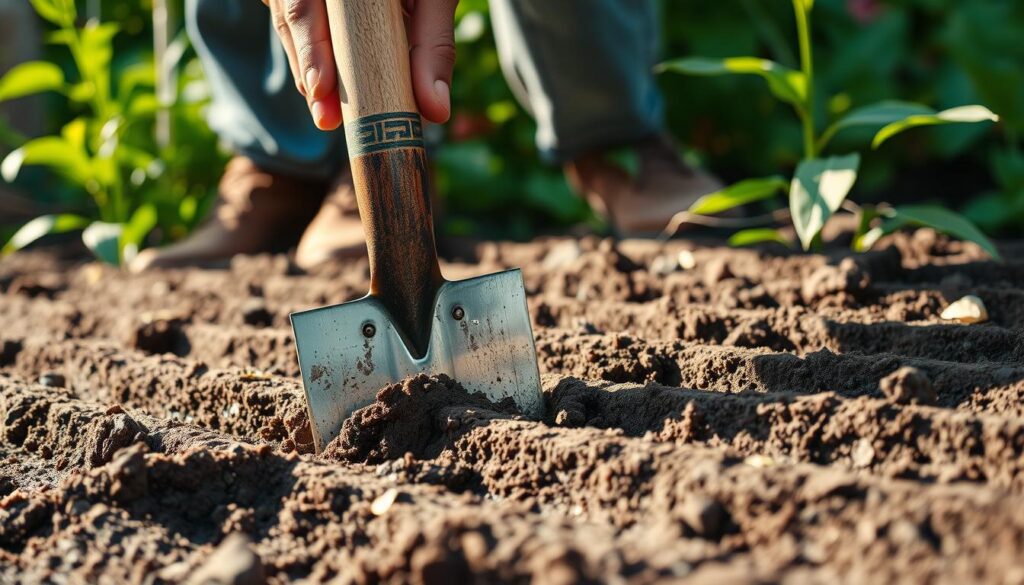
column 803, row 27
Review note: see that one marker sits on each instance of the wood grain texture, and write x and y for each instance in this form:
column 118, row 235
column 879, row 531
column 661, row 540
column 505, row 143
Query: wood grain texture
column 372, row 52
column 404, row 273
column 389, row 163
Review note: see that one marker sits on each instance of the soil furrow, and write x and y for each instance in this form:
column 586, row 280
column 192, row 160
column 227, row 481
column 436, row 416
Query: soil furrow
column 627, row 358
column 247, row 404
column 791, row 330
column 876, row 436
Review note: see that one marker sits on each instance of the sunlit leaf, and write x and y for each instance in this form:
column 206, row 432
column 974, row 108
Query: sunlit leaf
column 754, row 236
column 739, row 194
column 138, row 227
column 818, row 190
column 787, row 84
column 103, row 240
column 31, row 78
column 42, row 226
column 960, row 115
column 75, row 132
column 50, row 151
column 59, row 12
column 875, row 115
column 945, row 221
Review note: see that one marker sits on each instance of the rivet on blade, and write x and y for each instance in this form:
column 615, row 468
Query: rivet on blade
column 458, row 313
column 369, row 330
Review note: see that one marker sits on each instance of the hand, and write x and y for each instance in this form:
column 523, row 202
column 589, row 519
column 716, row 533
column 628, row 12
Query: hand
column 306, row 36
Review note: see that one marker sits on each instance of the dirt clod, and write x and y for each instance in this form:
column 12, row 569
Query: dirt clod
column 232, row 563
column 908, row 385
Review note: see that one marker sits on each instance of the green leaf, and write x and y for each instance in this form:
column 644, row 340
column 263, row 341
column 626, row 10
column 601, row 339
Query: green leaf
column 31, row 78
column 76, row 132
column 59, row 12
column 135, row 231
column 787, row 84
column 959, row 115
column 41, row 226
column 880, row 114
column 757, row 236
column 139, row 75
column 103, row 240
column 739, row 194
column 818, row 190
column 97, row 52
column 51, row 151
column 942, row 220
column 865, row 217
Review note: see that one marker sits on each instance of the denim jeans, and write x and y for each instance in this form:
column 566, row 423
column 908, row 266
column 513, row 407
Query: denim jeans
column 582, row 68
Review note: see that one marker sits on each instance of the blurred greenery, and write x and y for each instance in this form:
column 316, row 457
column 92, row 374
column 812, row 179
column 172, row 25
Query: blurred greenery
column 943, row 53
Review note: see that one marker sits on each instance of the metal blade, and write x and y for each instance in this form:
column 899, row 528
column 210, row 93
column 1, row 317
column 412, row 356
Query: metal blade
column 348, row 352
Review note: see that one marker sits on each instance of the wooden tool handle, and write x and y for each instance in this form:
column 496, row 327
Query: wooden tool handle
column 389, row 164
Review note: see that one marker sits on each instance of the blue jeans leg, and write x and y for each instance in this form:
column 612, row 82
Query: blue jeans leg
column 583, row 68
column 255, row 107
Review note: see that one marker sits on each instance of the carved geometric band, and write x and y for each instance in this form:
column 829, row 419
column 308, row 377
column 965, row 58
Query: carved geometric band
column 384, row 132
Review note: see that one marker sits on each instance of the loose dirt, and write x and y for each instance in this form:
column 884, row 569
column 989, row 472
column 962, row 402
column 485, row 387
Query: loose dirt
column 740, row 416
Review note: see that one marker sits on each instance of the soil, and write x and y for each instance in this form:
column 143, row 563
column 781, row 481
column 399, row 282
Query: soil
column 759, row 416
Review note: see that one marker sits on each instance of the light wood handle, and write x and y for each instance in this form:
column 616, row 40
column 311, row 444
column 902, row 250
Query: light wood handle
column 384, row 132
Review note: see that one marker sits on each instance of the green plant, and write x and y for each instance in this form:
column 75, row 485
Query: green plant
column 134, row 182
column 821, row 184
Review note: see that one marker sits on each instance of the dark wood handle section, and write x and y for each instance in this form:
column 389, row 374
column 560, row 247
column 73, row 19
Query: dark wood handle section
column 389, row 164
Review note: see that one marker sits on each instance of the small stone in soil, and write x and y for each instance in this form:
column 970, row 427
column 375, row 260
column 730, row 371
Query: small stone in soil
column 686, row 260
column 970, row 309
column 704, row 516
column 664, row 265
column 52, row 380
column 908, row 385
column 233, row 562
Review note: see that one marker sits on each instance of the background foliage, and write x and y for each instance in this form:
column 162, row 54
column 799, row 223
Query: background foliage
column 938, row 52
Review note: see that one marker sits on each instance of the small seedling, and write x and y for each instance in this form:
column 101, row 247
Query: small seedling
column 820, row 184
column 108, row 150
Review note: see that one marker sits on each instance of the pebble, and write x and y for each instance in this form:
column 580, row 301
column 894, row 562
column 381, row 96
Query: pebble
column 52, row 380
column 704, row 516
column 664, row 265
column 908, row 385
column 686, row 260
column 233, row 562
column 969, row 309
column 383, row 503
column 863, row 453
column 562, row 255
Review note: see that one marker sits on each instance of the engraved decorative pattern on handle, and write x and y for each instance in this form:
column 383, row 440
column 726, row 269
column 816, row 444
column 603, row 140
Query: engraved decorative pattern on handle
column 384, row 132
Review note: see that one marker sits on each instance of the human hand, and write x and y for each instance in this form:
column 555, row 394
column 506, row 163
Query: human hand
column 304, row 31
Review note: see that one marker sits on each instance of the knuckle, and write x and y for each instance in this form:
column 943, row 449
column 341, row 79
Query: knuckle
column 296, row 11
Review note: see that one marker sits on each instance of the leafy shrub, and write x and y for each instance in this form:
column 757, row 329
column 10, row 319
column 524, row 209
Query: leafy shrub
column 108, row 150
column 820, row 184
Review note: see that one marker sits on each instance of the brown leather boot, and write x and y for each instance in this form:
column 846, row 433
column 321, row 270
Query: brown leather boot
column 643, row 204
column 256, row 211
column 336, row 232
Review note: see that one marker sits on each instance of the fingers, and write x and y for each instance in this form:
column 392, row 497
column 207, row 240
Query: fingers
column 432, row 55
column 305, row 33
column 285, row 34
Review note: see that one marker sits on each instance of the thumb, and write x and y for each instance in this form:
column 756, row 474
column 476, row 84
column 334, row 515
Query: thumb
column 432, row 57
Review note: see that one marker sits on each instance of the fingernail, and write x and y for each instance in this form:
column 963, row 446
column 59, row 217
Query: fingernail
column 312, row 78
column 317, row 109
column 443, row 93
